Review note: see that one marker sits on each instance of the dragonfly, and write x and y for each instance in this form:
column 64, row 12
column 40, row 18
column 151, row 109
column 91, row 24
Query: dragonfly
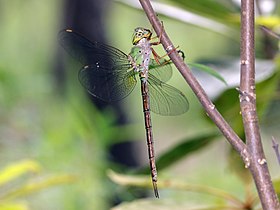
column 110, row 75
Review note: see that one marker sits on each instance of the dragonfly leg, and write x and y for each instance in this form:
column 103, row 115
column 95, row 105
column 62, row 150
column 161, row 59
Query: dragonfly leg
column 161, row 61
column 158, row 58
column 169, row 50
column 182, row 54
column 159, row 37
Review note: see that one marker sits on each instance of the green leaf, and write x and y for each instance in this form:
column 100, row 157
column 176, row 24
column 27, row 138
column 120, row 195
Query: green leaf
column 38, row 185
column 181, row 151
column 184, row 149
column 163, row 204
column 16, row 170
column 144, row 182
column 228, row 105
column 276, row 184
column 236, row 165
column 208, row 70
column 217, row 10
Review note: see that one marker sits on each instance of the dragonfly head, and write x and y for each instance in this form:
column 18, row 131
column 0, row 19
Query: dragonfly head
column 140, row 33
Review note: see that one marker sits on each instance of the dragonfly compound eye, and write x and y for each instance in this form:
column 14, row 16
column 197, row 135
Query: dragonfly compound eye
column 141, row 33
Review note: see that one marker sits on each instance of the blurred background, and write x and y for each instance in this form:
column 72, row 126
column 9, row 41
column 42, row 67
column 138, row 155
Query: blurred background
column 57, row 143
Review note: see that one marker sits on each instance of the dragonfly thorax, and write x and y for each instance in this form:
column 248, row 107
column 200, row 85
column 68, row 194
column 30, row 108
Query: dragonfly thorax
column 140, row 55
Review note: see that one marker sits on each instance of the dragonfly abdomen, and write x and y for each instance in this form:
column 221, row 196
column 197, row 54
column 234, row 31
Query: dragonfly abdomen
column 149, row 132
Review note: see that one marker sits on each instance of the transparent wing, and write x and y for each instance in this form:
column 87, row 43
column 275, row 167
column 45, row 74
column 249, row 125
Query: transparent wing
column 107, row 85
column 88, row 52
column 165, row 99
column 161, row 71
column 107, row 73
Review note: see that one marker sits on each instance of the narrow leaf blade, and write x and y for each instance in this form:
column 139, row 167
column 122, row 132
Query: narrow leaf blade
column 208, row 70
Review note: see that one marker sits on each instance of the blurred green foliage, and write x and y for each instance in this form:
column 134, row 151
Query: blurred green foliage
column 66, row 134
column 17, row 181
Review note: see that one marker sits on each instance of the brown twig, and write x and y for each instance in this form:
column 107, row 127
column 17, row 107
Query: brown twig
column 258, row 165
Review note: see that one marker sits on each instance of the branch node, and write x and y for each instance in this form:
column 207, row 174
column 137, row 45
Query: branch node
column 245, row 96
column 169, row 48
column 244, row 62
column 247, row 162
column 246, row 158
column 212, row 106
column 262, row 161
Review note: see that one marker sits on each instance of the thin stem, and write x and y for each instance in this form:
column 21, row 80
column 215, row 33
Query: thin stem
column 275, row 146
column 209, row 107
column 270, row 32
column 268, row 44
column 127, row 180
column 257, row 164
column 258, row 6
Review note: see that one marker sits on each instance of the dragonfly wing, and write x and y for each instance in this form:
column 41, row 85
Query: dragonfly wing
column 165, row 99
column 108, row 86
column 106, row 72
column 88, row 52
column 161, row 71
